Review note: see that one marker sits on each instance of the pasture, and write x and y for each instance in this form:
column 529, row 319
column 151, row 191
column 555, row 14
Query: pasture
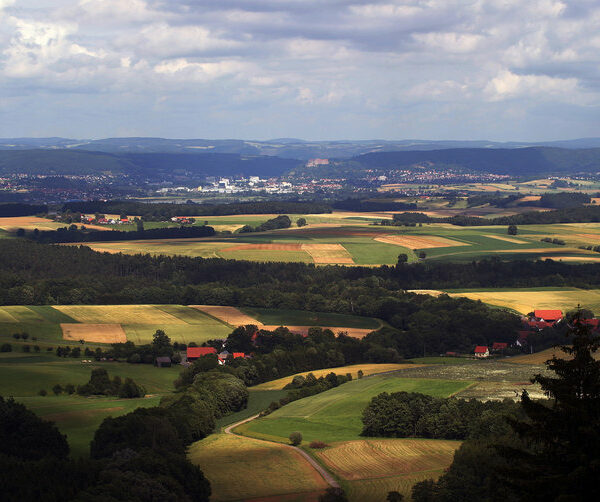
column 240, row 468
column 335, row 415
column 373, row 467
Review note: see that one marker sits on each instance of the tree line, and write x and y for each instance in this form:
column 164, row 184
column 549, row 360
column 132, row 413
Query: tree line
column 21, row 209
column 161, row 211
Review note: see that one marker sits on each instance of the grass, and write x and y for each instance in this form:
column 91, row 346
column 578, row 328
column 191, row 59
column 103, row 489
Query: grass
column 442, row 360
column 367, row 369
column 258, row 401
column 335, row 415
column 240, row 468
column 306, row 318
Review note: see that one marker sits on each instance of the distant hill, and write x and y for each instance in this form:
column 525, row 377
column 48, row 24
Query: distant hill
column 519, row 161
column 289, row 148
column 160, row 166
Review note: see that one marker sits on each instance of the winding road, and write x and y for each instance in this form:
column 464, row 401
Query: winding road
column 329, row 479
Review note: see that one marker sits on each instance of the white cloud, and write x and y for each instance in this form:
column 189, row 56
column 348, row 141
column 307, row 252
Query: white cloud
column 510, row 85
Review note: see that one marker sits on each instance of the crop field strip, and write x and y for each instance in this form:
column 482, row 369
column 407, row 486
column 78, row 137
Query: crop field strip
column 99, row 333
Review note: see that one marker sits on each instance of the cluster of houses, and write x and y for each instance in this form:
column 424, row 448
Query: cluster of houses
column 540, row 320
column 183, row 220
column 193, row 353
column 104, row 221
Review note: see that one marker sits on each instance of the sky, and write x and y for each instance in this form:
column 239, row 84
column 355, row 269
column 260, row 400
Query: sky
column 525, row 70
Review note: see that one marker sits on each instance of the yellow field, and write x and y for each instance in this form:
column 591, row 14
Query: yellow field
column 367, row 369
column 118, row 314
column 230, row 315
column 525, row 301
column 99, row 333
column 328, row 253
column 420, row 241
column 240, row 468
column 31, row 222
column 507, row 239
column 378, row 463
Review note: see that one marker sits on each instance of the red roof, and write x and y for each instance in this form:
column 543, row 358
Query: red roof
column 548, row 315
column 481, row 349
column 238, row 354
column 591, row 322
column 193, row 352
column 499, row 345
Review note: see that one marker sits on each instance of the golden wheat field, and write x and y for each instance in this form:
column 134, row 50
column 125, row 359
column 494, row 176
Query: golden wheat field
column 118, row 314
column 420, row 241
column 99, row 333
column 240, row 468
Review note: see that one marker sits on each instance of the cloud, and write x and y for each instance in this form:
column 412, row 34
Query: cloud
column 398, row 68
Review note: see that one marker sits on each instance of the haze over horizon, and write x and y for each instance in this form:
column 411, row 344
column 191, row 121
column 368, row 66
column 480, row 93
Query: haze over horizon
column 343, row 69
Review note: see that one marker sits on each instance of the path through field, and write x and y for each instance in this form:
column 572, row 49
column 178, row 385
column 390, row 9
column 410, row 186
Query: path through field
column 321, row 470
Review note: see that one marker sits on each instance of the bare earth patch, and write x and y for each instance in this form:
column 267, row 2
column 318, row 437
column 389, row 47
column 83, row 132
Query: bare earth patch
column 100, row 333
column 230, row 315
column 507, row 239
column 420, row 241
column 328, row 253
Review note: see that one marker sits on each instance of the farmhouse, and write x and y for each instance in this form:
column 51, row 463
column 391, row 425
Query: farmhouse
column 499, row 346
column 162, row 362
column 194, row 353
column 482, row 351
column 548, row 315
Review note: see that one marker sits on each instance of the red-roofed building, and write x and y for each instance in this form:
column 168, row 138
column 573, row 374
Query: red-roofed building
column 238, row 354
column 482, row 351
column 548, row 315
column 194, row 353
column 592, row 323
column 499, row 345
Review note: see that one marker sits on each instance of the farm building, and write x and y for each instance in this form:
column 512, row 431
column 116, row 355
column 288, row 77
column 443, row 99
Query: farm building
column 162, row 362
column 482, row 351
column 238, row 354
column 548, row 315
column 194, row 353
column 499, row 345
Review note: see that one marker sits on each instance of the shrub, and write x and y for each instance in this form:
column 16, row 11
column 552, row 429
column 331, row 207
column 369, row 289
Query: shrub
column 69, row 388
column 6, row 347
column 317, row 445
column 360, row 374
column 57, row 389
column 295, row 438
column 42, row 392
column 26, row 348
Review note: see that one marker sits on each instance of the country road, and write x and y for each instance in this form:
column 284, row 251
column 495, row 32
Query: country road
column 320, row 469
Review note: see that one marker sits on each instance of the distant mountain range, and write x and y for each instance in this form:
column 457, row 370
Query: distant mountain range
column 288, row 148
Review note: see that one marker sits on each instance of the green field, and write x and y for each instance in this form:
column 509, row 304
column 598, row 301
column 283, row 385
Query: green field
column 279, row 317
column 22, row 376
column 334, row 415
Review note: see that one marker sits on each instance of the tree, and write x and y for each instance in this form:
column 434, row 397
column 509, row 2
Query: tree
column 6, row 347
column 295, row 438
column 57, row 389
column 139, row 225
column 333, row 495
column 561, row 458
column 360, row 374
column 512, row 230
column 160, row 341
column 394, row 496
column 69, row 388
column 301, row 222
column 422, row 255
column 402, row 259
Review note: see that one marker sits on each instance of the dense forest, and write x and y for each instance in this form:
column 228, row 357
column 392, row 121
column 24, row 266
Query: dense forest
column 19, row 209
column 163, row 211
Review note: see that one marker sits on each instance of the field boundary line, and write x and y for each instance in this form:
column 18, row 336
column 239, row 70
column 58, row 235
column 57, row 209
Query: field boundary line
column 325, row 474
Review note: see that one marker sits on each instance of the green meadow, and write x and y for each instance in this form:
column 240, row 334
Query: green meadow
column 306, row 318
column 335, row 415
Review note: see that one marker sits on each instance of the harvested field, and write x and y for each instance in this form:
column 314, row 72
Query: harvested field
column 589, row 237
column 118, row 314
column 261, row 469
column 31, row 222
column 367, row 369
column 529, row 198
column 543, row 356
column 328, row 253
column 366, row 489
column 229, row 315
column 100, row 333
column 420, row 241
column 561, row 249
column 376, row 458
column 507, row 239
column 576, row 258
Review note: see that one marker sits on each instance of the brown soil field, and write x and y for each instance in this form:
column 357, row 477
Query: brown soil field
column 328, row 253
column 100, row 333
column 420, row 242
column 507, row 239
column 265, row 247
column 230, row 315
